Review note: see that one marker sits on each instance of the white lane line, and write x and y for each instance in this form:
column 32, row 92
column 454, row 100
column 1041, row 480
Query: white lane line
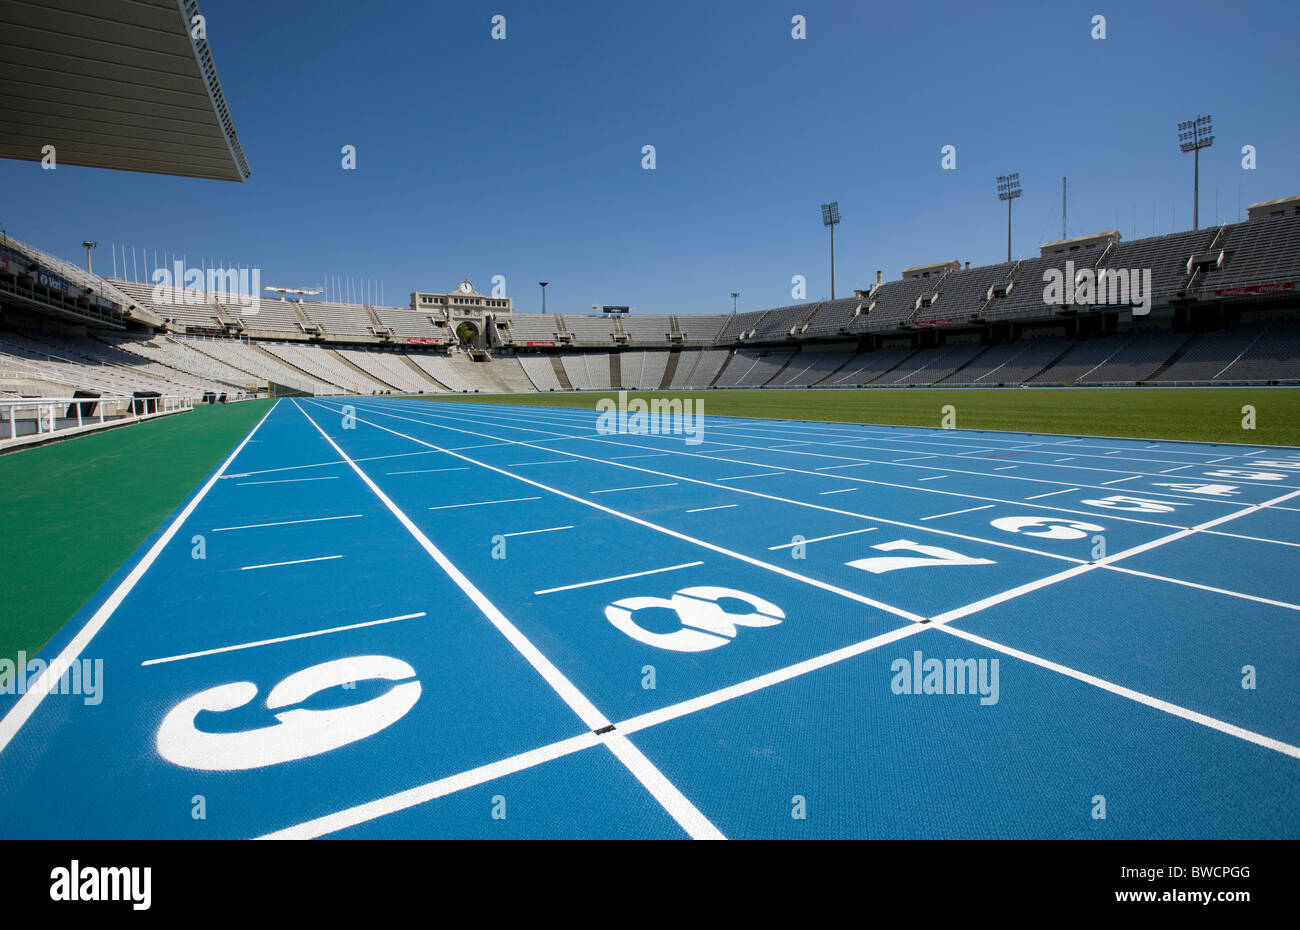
column 244, row 484
column 425, row 471
column 791, row 545
column 719, row 507
column 258, row 526
column 1065, row 460
column 690, row 819
column 1179, row 468
column 323, row 558
column 1213, row 723
column 932, row 478
column 917, row 458
column 372, row 810
column 840, row 491
column 1256, row 452
column 764, row 474
column 693, row 540
column 552, row 462
column 283, row 639
column 1050, row 494
column 511, row 500
column 1115, row 452
column 1006, row 468
column 647, row 455
column 1216, row 461
column 1265, row 539
column 549, row 529
column 850, row 465
column 1109, row 561
column 1120, row 480
column 955, row 512
column 26, row 705
column 588, row 584
column 665, row 792
column 740, row 689
column 1204, row 587
column 639, row 487
column 268, row 471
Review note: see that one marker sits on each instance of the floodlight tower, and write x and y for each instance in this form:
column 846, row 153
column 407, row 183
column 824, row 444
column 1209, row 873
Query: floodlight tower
column 735, row 296
column 543, row 284
column 88, row 245
column 300, row 291
column 1009, row 190
column 1193, row 136
column 831, row 219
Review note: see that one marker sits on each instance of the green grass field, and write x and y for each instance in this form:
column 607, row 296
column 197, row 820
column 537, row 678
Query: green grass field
column 1196, row 414
column 74, row 511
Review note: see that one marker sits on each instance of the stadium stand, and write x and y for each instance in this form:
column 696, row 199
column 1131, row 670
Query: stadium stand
column 1224, row 311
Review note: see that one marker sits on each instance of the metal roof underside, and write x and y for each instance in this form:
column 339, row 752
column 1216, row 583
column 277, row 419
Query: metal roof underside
column 114, row 84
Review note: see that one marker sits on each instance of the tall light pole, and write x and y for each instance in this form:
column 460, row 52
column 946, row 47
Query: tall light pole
column 735, row 296
column 543, row 284
column 88, row 245
column 1193, row 136
column 1009, row 190
column 830, row 219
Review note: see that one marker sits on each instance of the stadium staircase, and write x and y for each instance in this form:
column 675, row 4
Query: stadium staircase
column 307, row 324
column 722, row 368
column 1178, row 354
column 670, row 370
column 557, row 365
column 1262, row 333
column 615, row 370
column 410, row 363
column 277, row 360
column 344, row 360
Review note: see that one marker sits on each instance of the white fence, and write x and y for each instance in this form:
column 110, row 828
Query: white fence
column 41, row 415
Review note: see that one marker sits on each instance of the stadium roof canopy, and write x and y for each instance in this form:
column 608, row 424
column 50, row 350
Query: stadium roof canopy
column 114, row 84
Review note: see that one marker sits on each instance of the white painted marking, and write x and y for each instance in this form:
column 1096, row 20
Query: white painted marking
column 283, row 639
column 719, row 507
column 1006, row 468
column 245, row 484
column 932, row 478
column 1231, row 729
column 955, row 512
column 552, row 462
column 821, row 538
column 1120, row 480
column 840, row 491
column 323, row 558
column 588, row 584
column 639, row 487
column 765, row 474
column 425, row 471
column 549, row 529
column 512, row 500
column 258, row 526
column 1050, row 494
column 1179, row 468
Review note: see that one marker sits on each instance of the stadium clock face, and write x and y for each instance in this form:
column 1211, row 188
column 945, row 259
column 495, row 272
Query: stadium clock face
column 466, row 287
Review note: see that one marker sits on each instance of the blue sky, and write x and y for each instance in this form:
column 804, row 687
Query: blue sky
column 522, row 157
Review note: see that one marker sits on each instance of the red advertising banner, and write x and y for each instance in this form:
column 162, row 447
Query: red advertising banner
column 933, row 322
column 423, row 340
column 1255, row 290
column 539, row 342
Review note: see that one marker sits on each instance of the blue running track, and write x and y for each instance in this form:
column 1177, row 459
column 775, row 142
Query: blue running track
column 390, row 618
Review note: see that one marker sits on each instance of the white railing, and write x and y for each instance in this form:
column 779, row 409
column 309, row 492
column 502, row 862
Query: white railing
column 50, row 414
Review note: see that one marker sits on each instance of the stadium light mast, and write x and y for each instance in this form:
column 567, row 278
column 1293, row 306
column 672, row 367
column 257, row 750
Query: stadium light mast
column 1009, row 190
column 543, row 284
column 830, row 219
column 88, row 246
column 1193, row 136
column 735, row 296
column 300, row 291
